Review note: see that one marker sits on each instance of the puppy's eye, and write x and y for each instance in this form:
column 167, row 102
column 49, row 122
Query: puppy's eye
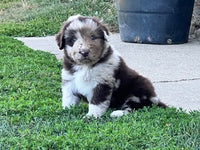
column 92, row 37
column 73, row 39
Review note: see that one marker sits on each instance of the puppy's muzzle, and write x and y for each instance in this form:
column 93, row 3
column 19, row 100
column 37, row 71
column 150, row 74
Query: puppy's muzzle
column 84, row 52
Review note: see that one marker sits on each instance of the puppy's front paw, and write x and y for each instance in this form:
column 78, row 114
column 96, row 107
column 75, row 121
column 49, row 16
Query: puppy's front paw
column 97, row 110
column 69, row 103
column 67, row 106
column 90, row 115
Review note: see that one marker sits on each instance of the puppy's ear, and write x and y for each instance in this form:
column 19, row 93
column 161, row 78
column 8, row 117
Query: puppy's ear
column 60, row 40
column 60, row 36
column 102, row 26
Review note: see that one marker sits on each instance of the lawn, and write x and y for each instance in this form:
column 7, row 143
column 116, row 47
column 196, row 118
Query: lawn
column 31, row 116
column 44, row 17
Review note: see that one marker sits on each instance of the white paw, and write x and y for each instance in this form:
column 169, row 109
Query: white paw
column 67, row 106
column 91, row 115
column 118, row 113
column 97, row 110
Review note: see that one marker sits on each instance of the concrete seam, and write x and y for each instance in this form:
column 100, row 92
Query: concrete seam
column 181, row 80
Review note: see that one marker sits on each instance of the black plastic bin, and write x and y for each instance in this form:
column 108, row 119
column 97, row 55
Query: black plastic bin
column 154, row 21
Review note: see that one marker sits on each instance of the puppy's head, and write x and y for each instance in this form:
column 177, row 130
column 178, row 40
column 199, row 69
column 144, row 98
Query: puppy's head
column 83, row 39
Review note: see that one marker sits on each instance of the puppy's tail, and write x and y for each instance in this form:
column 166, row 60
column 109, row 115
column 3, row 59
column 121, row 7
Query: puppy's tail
column 157, row 101
column 161, row 104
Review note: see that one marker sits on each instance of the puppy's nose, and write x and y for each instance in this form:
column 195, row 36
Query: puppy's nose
column 84, row 52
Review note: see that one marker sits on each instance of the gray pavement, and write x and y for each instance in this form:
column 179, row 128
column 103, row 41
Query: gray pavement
column 173, row 69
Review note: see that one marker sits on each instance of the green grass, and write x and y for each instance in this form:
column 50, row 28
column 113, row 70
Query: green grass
column 44, row 17
column 31, row 116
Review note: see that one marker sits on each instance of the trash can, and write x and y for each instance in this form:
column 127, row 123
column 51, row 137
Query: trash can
column 154, row 21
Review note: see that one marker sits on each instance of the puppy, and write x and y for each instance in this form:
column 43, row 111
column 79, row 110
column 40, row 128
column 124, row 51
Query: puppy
column 94, row 72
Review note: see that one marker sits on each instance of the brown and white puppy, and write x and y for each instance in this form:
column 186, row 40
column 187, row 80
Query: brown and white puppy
column 96, row 73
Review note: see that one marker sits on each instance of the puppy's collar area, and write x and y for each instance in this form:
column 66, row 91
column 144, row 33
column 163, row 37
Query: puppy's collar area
column 105, row 56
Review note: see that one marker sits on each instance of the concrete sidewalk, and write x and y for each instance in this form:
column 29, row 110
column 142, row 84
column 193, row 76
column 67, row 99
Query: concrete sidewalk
column 173, row 69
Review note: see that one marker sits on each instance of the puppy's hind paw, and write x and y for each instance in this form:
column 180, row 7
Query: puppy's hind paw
column 118, row 113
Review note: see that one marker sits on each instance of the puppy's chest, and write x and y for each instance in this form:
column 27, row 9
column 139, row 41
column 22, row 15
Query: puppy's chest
column 86, row 79
column 85, row 82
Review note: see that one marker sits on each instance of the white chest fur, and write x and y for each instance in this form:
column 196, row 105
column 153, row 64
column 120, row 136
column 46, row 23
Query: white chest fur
column 85, row 81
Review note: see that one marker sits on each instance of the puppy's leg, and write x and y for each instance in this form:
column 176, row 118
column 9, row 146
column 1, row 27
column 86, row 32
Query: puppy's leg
column 146, row 96
column 68, row 97
column 97, row 110
column 134, row 102
column 131, row 103
column 100, row 100
column 126, row 107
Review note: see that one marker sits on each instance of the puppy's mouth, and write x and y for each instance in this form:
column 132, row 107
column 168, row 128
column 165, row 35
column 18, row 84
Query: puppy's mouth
column 84, row 60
